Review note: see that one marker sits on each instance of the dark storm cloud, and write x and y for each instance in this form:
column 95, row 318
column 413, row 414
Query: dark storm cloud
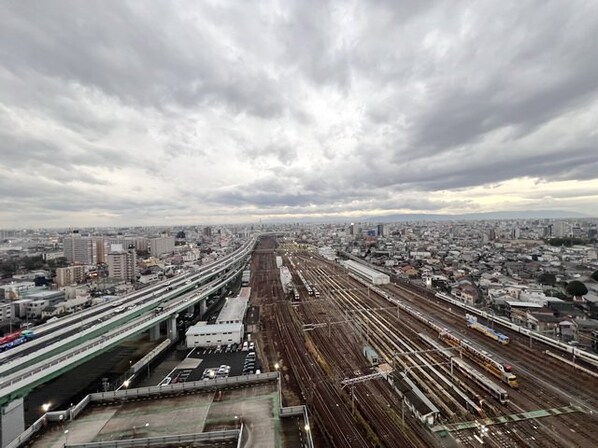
column 143, row 53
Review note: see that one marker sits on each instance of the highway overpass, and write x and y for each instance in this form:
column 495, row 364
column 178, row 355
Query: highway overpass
column 71, row 341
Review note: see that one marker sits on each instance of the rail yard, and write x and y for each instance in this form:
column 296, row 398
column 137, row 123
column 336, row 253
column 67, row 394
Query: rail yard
column 393, row 365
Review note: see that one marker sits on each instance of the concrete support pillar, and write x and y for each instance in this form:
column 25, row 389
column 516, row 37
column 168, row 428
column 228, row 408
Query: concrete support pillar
column 154, row 332
column 191, row 309
column 12, row 421
column 202, row 307
column 171, row 330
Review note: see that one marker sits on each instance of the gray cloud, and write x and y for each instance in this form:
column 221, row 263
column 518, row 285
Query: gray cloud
column 145, row 110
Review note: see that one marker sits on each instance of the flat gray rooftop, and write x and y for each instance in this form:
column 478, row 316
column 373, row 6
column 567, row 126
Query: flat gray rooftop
column 256, row 406
column 233, row 310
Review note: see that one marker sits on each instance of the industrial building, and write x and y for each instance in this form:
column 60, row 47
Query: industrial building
column 213, row 335
column 371, row 275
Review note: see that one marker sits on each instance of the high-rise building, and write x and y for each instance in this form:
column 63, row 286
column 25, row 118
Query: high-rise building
column 70, row 275
column 161, row 245
column 207, row 231
column 122, row 264
column 381, row 230
column 78, row 249
column 561, row 229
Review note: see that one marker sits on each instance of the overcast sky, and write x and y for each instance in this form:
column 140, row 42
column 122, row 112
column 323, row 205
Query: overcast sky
column 173, row 112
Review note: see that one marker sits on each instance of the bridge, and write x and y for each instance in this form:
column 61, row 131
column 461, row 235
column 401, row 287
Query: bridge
column 64, row 344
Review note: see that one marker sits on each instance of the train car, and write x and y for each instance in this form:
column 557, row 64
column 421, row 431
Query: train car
column 466, row 369
column 295, row 295
column 494, row 390
column 588, row 357
column 488, row 362
column 472, row 322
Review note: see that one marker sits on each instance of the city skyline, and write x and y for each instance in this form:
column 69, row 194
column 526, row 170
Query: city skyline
column 165, row 113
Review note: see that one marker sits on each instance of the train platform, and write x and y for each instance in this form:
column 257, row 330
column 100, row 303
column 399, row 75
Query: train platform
column 511, row 418
column 256, row 406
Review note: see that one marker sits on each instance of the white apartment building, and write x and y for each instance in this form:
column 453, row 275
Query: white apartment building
column 161, row 245
column 78, row 249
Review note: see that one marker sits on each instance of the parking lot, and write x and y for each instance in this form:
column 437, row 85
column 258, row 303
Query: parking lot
column 221, row 362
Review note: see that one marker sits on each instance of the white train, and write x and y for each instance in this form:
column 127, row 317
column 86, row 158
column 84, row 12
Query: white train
column 581, row 354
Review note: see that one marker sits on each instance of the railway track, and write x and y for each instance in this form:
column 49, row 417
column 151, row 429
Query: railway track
column 532, row 433
column 551, row 382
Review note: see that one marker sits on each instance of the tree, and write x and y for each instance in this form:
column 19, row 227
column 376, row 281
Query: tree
column 576, row 289
column 594, row 276
column 547, row 279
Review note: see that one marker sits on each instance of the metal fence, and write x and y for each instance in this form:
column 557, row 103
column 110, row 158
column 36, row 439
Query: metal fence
column 212, row 436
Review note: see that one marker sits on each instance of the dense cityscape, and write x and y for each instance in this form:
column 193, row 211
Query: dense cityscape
column 162, row 297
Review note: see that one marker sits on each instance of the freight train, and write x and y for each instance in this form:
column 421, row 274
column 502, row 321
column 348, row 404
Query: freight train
column 472, row 322
column 15, row 339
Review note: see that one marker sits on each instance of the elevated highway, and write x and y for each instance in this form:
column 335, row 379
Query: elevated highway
column 71, row 341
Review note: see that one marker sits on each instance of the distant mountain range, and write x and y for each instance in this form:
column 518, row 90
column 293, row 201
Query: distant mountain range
column 531, row 214
column 403, row 217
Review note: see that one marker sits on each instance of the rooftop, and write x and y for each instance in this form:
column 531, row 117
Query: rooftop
column 233, row 310
column 254, row 406
column 209, row 329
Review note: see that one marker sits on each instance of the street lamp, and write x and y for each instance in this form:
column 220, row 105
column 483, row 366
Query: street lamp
column 66, row 437
column 277, row 366
column 236, row 421
column 126, row 383
column 306, row 427
column 46, row 407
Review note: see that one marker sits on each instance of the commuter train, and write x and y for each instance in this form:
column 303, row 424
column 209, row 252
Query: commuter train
column 472, row 322
column 15, row 339
column 487, row 361
column 481, row 380
column 588, row 357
